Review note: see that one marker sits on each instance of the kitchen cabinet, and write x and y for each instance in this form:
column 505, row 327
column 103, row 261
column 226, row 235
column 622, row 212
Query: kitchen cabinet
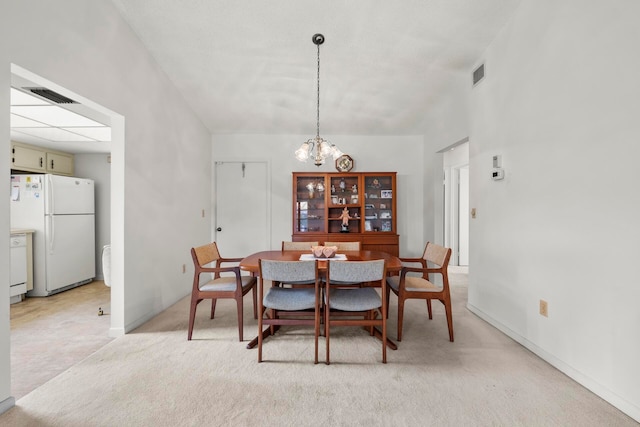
column 29, row 158
column 320, row 199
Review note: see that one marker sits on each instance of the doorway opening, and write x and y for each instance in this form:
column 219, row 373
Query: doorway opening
column 101, row 161
column 456, row 201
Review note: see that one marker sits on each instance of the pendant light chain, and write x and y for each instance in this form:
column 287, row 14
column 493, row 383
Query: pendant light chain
column 318, row 103
column 317, row 148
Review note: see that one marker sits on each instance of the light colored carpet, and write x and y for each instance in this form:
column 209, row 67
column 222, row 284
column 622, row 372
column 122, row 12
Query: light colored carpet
column 155, row 377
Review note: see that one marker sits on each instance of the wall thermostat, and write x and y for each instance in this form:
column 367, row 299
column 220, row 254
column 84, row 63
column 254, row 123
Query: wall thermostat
column 497, row 161
column 497, row 174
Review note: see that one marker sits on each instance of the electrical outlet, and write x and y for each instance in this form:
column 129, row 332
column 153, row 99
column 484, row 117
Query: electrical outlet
column 184, row 268
column 544, row 309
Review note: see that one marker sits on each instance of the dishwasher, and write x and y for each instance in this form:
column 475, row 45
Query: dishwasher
column 18, row 267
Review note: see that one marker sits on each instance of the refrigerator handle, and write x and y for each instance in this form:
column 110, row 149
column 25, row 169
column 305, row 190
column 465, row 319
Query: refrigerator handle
column 52, row 234
column 50, row 197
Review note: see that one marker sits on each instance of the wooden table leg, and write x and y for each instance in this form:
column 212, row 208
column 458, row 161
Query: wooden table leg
column 378, row 334
column 265, row 334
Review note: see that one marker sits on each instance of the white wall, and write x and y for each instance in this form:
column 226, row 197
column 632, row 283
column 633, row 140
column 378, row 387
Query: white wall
column 401, row 154
column 98, row 168
column 447, row 124
column 87, row 48
column 560, row 102
column 6, row 401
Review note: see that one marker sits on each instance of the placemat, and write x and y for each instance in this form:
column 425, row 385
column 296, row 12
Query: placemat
column 308, row 257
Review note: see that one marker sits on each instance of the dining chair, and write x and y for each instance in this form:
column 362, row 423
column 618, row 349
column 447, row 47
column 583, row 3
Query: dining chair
column 288, row 306
column 355, row 306
column 409, row 286
column 345, row 246
column 207, row 259
column 298, row 246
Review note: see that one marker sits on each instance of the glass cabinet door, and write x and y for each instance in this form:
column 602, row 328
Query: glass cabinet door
column 309, row 204
column 344, row 203
column 379, row 203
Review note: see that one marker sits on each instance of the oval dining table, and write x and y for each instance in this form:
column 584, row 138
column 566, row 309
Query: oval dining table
column 251, row 264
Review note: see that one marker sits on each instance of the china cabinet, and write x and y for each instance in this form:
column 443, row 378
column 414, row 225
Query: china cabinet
column 346, row 207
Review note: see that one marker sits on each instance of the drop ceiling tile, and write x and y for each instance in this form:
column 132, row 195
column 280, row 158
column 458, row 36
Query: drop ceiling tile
column 23, row 122
column 98, row 133
column 53, row 116
column 22, row 98
column 54, row 134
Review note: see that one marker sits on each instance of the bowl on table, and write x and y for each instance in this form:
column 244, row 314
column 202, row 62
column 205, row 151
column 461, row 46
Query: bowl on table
column 324, row 251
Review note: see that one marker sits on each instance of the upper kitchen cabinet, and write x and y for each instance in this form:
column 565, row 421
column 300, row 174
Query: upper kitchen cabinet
column 29, row 158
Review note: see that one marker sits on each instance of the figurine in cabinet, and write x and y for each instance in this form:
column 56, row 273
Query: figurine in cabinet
column 345, row 217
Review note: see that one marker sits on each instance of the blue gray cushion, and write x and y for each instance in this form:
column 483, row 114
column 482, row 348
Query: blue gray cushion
column 290, row 299
column 357, row 299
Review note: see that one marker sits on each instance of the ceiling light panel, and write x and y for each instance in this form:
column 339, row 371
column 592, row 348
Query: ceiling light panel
column 23, row 122
column 54, row 134
column 22, row 98
column 98, row 133
column 54, row 116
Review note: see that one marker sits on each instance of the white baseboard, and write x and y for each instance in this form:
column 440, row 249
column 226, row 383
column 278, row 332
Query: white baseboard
column 589, row 383
column 7, row 404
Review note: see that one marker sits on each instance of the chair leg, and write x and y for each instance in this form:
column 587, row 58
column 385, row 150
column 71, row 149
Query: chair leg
column 384, row 338
column 388, row 295
column 429, row 308
column 239, row 303
column 213, row 307
column 272, row 315
column 400, row 317
column 255, row 302
column 260, row 335
column 192, row 316
column 326, row 333
column 447, row 309
column 316, row 332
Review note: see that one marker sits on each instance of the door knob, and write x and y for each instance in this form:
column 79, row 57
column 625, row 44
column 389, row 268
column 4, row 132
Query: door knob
column 219, row 229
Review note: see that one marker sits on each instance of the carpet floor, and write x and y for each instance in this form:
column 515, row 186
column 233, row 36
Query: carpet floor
column 155, row 377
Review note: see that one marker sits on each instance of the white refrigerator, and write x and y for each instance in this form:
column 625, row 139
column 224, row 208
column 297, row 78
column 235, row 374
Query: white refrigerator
column 60, row 210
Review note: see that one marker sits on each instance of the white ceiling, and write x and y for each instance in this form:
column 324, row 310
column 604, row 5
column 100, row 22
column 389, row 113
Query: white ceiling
column 250, row 66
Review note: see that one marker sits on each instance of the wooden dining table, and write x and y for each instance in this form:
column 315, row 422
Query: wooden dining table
column 251, row 264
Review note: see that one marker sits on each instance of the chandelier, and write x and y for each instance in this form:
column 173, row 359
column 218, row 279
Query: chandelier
column 317, row 148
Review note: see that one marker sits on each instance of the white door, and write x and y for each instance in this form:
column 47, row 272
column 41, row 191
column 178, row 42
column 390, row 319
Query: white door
column 242, row 208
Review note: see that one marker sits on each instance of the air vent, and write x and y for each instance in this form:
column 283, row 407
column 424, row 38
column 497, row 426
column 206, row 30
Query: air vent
column 478, row 74
column 51, row 95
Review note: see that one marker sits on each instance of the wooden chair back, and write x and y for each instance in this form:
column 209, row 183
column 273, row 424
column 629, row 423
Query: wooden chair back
column 345, row 246
column 298, row 246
